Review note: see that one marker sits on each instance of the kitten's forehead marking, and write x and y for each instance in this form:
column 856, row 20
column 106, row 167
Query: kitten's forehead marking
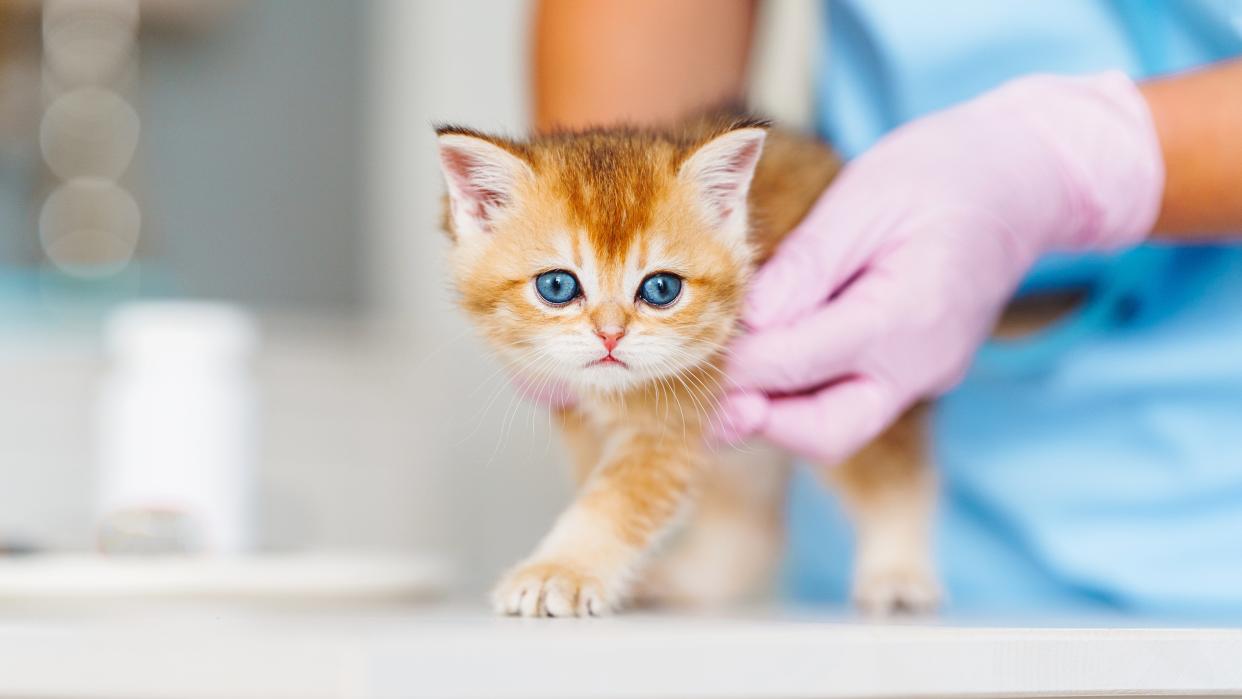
column 644, row 243
column 636, row 262
column 610, row 187
column 649, row 255
column 561, row 254
column 575, row 241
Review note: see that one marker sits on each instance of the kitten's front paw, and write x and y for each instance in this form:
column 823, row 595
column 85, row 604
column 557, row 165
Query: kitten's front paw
column 896, row 588
column 549, row 588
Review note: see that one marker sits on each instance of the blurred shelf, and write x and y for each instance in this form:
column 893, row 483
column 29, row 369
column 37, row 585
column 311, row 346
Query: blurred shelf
column 320, row 576
column 427, row 651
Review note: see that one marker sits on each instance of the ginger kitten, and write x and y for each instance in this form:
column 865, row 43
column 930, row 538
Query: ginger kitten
column 614, row 262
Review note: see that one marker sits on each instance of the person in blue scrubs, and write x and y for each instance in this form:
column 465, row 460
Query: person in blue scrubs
column 1096, row 466
column 1099, row 466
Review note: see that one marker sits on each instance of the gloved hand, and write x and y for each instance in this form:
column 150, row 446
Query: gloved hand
column 883, row 293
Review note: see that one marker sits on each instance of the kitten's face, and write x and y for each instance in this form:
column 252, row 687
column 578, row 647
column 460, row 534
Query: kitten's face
column 606, row 260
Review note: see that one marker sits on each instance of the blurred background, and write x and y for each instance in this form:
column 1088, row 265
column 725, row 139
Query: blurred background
column 273, row 162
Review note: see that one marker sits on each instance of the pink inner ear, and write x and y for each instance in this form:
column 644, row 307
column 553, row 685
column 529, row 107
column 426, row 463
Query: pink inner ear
column 470, row 175
column 723, row 180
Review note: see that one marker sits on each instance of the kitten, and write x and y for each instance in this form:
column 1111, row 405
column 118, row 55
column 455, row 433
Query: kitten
column 614, row 262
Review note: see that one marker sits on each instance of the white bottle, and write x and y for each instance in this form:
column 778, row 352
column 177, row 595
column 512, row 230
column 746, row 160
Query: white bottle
column 176, row 439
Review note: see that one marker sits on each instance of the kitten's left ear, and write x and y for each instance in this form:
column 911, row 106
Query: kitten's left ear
column 720, row 171
column 483, row 180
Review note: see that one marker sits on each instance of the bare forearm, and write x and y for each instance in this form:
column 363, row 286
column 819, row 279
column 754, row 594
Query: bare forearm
column 641, row 61
column 1198, row 119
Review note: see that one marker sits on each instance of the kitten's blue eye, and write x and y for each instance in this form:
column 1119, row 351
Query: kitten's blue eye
column 660, row 289
column 557, row 287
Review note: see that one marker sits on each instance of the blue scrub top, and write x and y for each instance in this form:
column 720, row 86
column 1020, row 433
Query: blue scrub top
column 1098, row 467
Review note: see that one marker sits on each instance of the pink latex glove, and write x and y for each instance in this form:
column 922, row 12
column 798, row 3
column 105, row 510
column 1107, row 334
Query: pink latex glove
column 883, row 293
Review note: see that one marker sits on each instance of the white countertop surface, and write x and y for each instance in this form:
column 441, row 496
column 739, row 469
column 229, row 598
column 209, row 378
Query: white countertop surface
column 172, row 650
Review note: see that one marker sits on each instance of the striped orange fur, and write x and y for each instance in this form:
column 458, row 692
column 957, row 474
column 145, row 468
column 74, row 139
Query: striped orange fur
column 706, row 201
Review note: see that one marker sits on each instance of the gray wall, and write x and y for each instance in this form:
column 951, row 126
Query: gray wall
column 251, row 163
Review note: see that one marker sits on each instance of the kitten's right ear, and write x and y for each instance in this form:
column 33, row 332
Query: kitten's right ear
column 482, row 177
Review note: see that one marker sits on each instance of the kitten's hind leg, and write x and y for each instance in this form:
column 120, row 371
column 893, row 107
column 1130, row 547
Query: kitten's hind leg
column 728, row 549
column 889, row 491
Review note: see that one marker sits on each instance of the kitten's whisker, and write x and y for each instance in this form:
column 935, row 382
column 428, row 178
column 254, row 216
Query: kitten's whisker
column 659, row 395
column 716, row 416
column 681, row 379
column 528, row 360
column 515, row 404
column 504, row 363
column 719, row 370
column 538, row 391
column 486, row 405
column 418, row 365
column 681, row 410
column 508, row 365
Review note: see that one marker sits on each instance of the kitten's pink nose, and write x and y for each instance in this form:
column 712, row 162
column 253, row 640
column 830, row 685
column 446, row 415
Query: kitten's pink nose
column 610, row 336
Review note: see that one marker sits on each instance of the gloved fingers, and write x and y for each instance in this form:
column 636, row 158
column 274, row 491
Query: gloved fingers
column 807, row 268
column 820, row 347
column 740, row 415
column 831, row 425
